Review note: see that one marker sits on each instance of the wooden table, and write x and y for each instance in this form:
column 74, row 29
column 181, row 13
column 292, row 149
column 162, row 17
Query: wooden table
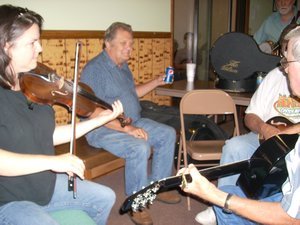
column 181, row 87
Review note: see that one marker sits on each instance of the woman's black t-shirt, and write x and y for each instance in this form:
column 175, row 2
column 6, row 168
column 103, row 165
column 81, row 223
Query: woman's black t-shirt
column 26, row 128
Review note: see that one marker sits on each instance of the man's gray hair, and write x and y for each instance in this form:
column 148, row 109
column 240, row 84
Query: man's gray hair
column 294, row 35
column 111, row 31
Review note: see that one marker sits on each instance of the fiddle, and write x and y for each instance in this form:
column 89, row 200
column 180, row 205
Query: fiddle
column 42, row 86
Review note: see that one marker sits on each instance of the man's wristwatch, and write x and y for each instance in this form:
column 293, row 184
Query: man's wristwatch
column 226, row 205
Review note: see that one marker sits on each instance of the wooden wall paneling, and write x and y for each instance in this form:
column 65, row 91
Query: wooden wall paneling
column 158, row 61
column 158, row 57
column 168, row 56
column 53, row 55
column 93, row 47
column 167, row 60
column 145, row 63
column 167, row 53
column 62, row 115
column 133, row 63
column 70, row 57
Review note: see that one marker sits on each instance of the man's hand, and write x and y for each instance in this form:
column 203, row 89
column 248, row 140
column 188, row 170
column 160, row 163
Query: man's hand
column 268, row 131
column 160, row 79
column 137, row 132
column 199, row 186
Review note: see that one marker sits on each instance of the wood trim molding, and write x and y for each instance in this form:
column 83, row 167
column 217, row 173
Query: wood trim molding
column 75, row 34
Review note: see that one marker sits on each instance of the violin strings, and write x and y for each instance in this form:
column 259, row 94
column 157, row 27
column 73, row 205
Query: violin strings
column 90, row 96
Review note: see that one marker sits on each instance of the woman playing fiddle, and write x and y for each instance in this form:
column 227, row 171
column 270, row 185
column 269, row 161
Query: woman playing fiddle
column 33, row 180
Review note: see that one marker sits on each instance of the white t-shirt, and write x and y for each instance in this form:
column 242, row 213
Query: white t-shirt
column 291, row 188
column 273, row 98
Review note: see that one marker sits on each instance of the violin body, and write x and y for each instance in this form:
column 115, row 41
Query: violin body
column 51, row 89
column 43, row 90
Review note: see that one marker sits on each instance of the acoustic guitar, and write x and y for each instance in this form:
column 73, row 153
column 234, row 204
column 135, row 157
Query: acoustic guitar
column 261, row 175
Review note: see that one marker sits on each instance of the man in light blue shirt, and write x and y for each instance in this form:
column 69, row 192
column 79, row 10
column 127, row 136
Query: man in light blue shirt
column 273, row 26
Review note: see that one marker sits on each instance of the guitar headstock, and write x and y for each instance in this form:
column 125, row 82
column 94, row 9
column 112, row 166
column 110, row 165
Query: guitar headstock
column 141, row 199
column 146, row 196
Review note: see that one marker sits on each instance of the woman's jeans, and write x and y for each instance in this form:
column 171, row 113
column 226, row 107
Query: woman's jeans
column 95, row 199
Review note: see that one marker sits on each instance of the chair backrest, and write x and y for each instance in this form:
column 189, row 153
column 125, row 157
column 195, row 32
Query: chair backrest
column 208, row 102
column 204, row 102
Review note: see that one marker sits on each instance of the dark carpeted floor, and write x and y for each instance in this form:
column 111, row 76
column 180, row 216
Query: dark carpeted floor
column 162, row 214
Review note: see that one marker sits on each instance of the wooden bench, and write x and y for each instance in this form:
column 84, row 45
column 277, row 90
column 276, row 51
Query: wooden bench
column 97, row 161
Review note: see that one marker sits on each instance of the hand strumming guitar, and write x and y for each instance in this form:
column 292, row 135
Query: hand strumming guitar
column 257, row 125
column 268, row 131
column 274, row 126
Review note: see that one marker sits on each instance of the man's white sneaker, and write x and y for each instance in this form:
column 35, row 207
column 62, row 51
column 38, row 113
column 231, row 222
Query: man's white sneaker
column 207, row 217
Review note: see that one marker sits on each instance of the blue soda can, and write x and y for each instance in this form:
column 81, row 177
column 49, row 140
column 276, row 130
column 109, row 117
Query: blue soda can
column 169, row 75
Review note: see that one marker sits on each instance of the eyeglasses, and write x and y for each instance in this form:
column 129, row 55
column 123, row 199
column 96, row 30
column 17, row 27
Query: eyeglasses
column 284, row 63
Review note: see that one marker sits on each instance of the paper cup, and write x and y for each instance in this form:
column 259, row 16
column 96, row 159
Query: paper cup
column 190, row 71
column 190, row 86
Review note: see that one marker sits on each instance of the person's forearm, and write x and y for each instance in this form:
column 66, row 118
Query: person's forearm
column 14, row 164
column 261, row 212
column 63, row 133
column 254, row 123
column 116, row 125
column 145, row 88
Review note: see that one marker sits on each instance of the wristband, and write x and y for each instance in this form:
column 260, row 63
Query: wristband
column 226, row 205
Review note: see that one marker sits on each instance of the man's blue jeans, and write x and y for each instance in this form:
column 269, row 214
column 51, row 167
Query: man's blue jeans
column 136, row 152
column 231, row 218
column 236, row 149
column 96, row 200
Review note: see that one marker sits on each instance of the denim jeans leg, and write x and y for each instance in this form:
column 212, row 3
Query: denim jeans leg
column 24, row 213
column 136, row 153
column 162, row 139
column 236, row 149
column 231, row 218
column 95, row 199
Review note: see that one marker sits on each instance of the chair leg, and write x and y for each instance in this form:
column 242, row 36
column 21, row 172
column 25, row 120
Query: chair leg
column 180, row 152
column 188, row 203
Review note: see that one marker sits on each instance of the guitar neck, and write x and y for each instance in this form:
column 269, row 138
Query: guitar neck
column 267, row 160
column 148, row 194
column 211, row 173
column 216, row 172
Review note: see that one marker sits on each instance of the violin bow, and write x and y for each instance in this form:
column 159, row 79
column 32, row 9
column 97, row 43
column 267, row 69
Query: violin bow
column 72, row 179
